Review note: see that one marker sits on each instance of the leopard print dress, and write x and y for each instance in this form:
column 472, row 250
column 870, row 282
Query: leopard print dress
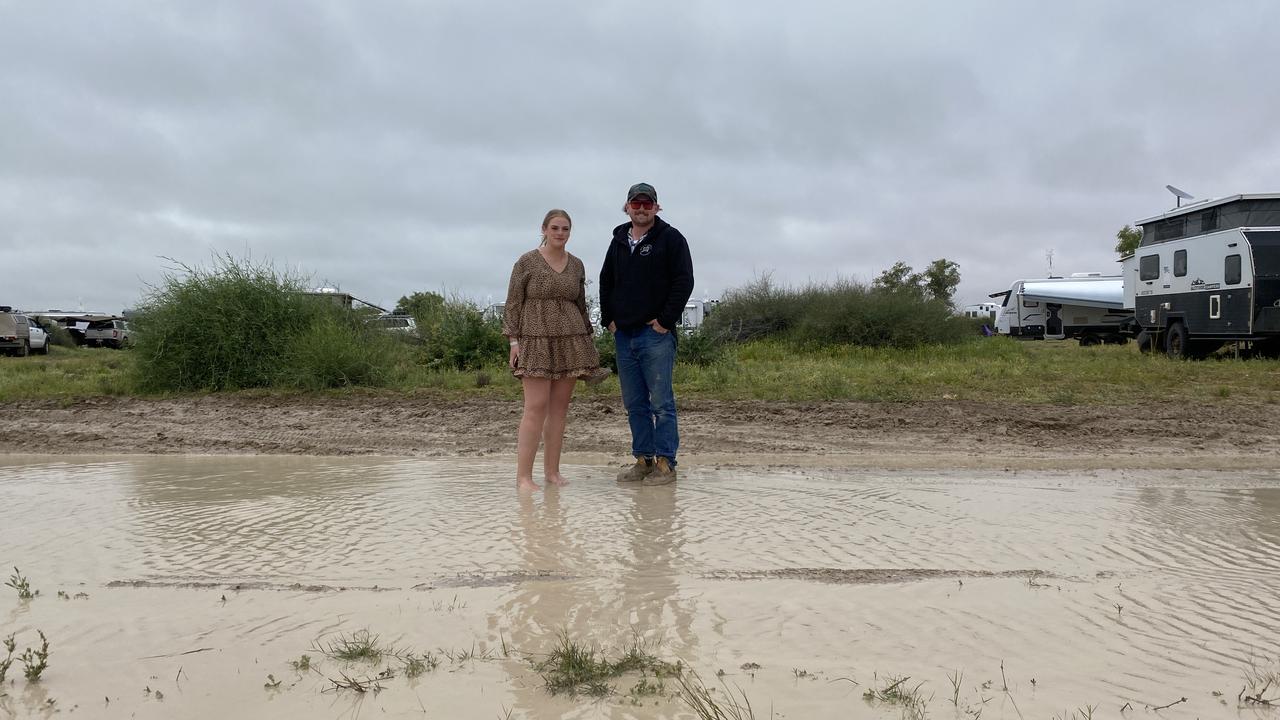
column 546, row 311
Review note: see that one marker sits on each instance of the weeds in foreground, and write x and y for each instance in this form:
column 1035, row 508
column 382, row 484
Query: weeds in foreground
column 361, row 684
column 704, row 703
column 956, row 678
column 19, row 583
column 9, row 646
column 34, row 662
column 575, row 668
column 897, row 691
column 302, row 664
column 415, row 665
column 359, row 646
column 1258, row 682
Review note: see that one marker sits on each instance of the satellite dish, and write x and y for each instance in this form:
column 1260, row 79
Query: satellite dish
column 1180, row 194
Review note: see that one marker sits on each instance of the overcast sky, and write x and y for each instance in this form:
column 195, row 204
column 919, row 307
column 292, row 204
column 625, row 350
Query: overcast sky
column 387, row 147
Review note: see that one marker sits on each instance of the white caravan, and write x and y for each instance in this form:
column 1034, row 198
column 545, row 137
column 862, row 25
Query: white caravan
column 1086, row 306
column 982, row 311
column 1208, row 273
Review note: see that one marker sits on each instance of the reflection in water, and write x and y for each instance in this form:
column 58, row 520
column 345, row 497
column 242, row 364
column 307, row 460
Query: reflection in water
column 597, row 606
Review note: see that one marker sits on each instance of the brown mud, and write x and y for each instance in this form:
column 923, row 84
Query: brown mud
column 940, row 434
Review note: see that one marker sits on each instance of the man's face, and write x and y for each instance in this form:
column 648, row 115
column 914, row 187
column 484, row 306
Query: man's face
column 641, row 209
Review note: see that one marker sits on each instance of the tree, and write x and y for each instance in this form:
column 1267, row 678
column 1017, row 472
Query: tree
column 937, row 282
column 421, row 305
column 1127, row 240
column 940, row 279
column 899, row 277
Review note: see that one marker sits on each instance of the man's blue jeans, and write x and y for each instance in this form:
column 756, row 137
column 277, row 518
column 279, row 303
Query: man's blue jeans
column 646, row 360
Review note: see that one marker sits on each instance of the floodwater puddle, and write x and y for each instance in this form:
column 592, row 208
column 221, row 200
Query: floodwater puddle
column 192, row 587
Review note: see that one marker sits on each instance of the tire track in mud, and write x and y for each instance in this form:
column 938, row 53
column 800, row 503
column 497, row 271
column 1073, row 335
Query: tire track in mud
column 1241, row 434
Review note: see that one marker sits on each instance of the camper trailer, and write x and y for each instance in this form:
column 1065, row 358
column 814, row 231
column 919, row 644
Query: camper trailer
column 1206, row 274
column 1088, row 307
column 982, row 311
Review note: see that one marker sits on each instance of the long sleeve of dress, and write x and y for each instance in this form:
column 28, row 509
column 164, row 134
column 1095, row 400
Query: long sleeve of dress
column 515, row 301
column 582, row 300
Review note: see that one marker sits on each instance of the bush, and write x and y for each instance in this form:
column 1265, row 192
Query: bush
column 608, row 350
column 240, row 325
column 845, row 313
column 336, row 352
column 461, row 338
column 701, row 346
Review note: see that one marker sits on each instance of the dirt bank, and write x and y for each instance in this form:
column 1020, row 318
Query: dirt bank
column 836, row 434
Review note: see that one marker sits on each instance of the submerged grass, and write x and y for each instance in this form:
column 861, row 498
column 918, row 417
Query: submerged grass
column 579, row 669
column 896, row 690
column 359, row 646
column 707, row 705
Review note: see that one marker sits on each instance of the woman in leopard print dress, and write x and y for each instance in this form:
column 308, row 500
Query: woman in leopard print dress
column 552, row 345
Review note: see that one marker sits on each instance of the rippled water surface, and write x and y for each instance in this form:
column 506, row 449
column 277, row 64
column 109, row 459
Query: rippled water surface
column 206, row 574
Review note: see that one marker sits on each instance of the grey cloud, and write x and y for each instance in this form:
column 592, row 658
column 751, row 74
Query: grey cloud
column 391, row 147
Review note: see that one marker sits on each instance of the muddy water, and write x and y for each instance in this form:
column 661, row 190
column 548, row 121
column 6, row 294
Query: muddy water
column 205, row 575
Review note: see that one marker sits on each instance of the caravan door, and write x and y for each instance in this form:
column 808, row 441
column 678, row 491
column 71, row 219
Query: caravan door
column 1053, row 321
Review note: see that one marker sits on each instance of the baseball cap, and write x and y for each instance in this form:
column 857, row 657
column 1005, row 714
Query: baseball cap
column 642, row 189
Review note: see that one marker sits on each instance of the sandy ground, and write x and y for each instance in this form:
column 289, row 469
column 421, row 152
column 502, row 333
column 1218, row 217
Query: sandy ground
column 944, row 434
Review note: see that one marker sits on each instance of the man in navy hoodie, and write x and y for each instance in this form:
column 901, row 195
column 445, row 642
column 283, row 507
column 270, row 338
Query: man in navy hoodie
column 646, row 280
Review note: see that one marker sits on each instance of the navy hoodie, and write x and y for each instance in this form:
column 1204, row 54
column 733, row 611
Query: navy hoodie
column 652, row 282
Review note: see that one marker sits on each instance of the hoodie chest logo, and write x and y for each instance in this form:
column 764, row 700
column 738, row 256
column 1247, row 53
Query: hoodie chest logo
column 645, row 249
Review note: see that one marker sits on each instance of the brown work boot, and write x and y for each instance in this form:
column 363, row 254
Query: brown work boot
column 636, row 472
column 663, row 473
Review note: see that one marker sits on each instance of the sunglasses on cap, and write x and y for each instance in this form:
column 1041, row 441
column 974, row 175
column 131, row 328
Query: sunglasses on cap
column 641, row 204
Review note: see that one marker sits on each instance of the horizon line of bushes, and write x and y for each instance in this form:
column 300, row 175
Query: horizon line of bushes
column 240, row 325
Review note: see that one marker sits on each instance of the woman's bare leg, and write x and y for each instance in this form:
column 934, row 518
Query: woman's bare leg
column 553, row 431
column 537, row 397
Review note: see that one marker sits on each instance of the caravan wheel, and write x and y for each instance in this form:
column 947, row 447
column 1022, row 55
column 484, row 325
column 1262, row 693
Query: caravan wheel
column 1146, row 342
column 1175, row 345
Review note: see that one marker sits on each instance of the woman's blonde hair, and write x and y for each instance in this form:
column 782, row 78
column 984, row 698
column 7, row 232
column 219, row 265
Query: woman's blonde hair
column 553, row 213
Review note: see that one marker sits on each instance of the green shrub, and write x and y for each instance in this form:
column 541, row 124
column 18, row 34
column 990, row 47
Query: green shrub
column 701, row 346
column 461, row 338
column 335, row 352
column 843, row 313
column 241, row 325
column 608, row 351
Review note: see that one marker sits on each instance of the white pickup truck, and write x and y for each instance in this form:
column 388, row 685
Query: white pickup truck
column 108, row 333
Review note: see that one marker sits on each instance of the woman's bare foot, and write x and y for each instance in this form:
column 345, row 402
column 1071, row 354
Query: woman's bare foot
column 556, row 479
column 527, row 484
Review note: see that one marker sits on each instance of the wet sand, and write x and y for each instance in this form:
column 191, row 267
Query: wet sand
column 204, row 575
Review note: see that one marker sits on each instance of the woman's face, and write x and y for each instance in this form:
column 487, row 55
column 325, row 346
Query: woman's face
column 557, row 232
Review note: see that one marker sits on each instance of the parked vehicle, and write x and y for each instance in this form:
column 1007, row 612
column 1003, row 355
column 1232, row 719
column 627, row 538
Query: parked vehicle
column 983, row 311
column 1208, row 273
column 1088, row 307
column 15, row 332
column 108, row 333
column 403, row 324
column 39, row 338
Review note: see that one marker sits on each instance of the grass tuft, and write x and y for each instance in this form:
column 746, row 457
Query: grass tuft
column 19, row 583
column 359, row 646
column 707, row 705
column 576, row 668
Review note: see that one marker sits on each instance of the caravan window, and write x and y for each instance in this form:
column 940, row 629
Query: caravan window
column 1179, row 263
column 1209, row 220
column 1232, row 270
column 1171, row 228
column 1149, row 267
